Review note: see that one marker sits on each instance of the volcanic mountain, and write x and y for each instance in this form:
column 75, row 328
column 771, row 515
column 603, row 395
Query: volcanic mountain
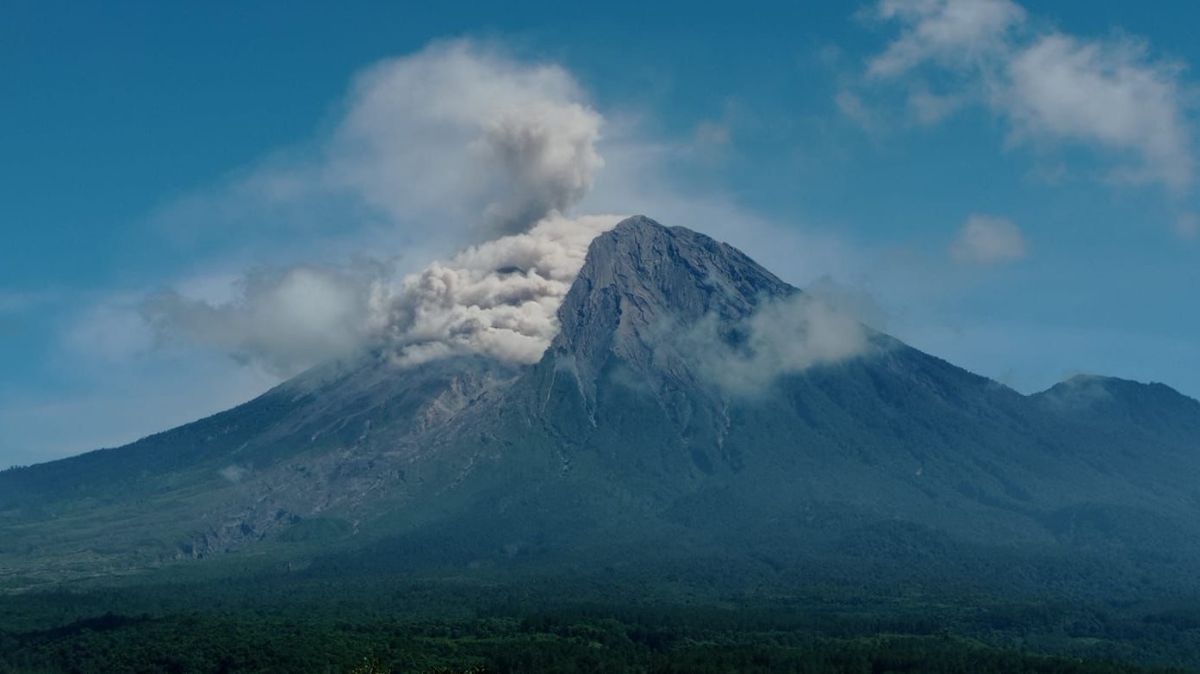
column 694, row 414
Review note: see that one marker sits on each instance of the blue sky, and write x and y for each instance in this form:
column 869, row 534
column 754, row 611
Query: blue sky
column 1007, row 186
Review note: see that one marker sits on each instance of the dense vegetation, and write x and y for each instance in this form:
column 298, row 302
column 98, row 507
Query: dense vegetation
column 112, row 643
column 383, row 625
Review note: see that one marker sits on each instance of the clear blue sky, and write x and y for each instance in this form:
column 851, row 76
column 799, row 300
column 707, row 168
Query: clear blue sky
column 1012, row 191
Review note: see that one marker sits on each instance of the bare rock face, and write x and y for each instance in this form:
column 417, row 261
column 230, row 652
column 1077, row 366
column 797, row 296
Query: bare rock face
column 642, row 279
column 621, row 438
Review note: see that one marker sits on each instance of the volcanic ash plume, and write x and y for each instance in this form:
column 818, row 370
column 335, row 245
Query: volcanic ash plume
column 498, row 299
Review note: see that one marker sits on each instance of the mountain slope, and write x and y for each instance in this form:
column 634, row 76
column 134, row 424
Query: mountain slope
column 693, row 410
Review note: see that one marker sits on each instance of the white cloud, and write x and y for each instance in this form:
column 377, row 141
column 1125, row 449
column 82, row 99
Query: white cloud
column 930, row 108
column 1108, row 93
column 1051, row 87
column 988, row 240
column 782, row 336
column 955, row 33
column 853, row 107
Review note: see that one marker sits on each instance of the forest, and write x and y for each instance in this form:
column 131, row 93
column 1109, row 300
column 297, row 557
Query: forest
column 371, row 625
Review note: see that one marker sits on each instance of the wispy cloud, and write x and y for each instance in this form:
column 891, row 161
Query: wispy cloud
column 988, row 240
column 1187, row 226
column 951, row 33
column 782, row 336
column 110, row 329
column 282, row 320
column 1052, row 88
column 852, row 106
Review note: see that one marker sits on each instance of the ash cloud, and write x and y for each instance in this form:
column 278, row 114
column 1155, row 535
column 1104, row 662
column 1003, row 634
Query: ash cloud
column 458, row 142
column 460, row 132
column 233, row 473
column 498, row 299
column 283, row 321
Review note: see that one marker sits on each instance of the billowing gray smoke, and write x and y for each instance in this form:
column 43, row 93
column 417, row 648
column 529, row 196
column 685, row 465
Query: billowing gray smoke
column 452, row 135
column 436, row 141
column 282, row 321
column 456, row 131
column 498, row 298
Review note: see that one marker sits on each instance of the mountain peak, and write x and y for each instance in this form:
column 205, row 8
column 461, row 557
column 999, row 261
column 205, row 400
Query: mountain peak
column 670, row 265
column 641, row 279
column 638, row 223
column 1090, row 385
column 1109, row 398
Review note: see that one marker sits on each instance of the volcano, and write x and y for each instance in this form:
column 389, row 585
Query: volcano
column 694, row 413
